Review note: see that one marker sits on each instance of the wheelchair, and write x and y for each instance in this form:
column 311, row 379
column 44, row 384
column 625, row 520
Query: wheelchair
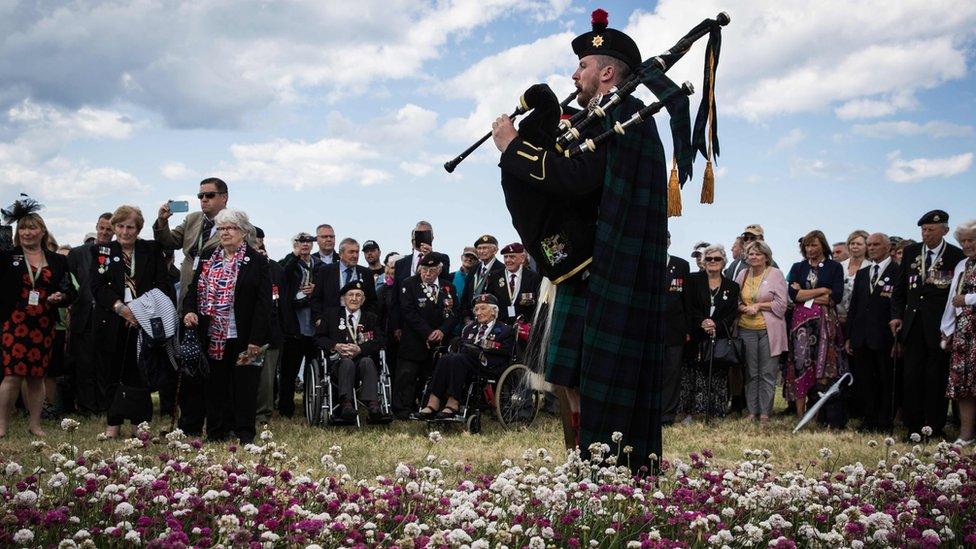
column 509, row 396
column 320, row 398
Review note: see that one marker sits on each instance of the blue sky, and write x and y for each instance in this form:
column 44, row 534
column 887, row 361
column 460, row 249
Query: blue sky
column 832, row 115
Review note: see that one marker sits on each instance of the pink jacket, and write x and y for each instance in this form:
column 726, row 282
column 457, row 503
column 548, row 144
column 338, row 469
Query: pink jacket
column 772, row 289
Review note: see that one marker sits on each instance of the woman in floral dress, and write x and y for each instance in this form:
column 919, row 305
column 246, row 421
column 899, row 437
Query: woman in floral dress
column 959, row 334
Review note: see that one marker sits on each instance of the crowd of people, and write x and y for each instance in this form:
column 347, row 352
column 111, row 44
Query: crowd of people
column 81, row 335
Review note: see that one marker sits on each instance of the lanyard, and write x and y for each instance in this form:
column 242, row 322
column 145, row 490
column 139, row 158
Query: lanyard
column 923, row 270
column 350, row 327
column 755, row 293
column 132, row 264
column 31, row 273
column 306, row 272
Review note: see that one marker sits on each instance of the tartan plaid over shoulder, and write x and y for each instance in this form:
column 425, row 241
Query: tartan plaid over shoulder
column 623, row 337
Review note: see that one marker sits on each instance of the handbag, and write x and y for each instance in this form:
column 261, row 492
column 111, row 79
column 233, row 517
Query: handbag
column 132, row 403
column 189, row 354
column 727, row 350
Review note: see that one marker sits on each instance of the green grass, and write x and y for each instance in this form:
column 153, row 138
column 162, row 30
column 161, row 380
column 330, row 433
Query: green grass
column 376, row 450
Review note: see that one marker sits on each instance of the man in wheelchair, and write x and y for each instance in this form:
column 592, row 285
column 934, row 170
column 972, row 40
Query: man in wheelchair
column 485, row 347
column 354, row 338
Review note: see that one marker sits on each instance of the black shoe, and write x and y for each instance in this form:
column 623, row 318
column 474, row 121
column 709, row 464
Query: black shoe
column 421, row 415
column 446, row 413
column 347, row 412
column 376, row 415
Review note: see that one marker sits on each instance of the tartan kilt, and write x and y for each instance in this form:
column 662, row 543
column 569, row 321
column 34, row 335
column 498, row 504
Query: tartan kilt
column 563, row 355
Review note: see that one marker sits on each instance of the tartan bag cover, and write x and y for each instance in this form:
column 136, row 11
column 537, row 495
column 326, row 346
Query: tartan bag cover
column 623, row 337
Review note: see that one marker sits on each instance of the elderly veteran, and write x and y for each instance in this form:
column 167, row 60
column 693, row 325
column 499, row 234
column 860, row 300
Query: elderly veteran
column 516, row 287
column 485, row 348
column 486, row 246
column 427, row 308
column 959, row 334
column 231, row 308
column 917, row 307
column 354, row 337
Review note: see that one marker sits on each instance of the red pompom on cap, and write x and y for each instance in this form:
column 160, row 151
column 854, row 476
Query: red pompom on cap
column 600, row 20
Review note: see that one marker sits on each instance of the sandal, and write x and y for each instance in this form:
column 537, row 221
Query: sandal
column 424, row 416
column 446, row 413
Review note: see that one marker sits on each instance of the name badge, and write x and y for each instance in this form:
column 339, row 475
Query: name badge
column 33, row 298
column 196, row 262
column 128, row 295
column 511, row 310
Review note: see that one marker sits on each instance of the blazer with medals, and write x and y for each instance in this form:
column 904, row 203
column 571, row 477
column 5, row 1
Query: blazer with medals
column 183, row 237
column 327, row 286
column 335, row 329
column 525, row 298
column 401, row 272
column 252, row 300
column 496, row 268
column 423, row 312
column 919, row 298
column 870, row 309
column 675, row 314
column 495, row 348
column 699, row 300
column 79, row 265
column 13, row 267
column 293, row 272
column 108, row 283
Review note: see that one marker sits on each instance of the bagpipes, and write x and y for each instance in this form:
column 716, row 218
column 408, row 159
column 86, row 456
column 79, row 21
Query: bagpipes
column 651, row 73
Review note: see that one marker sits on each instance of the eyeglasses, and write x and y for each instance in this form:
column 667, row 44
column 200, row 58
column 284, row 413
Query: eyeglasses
column 712, row 259
column 208, row 195
column 749, row 237
column 228, row 228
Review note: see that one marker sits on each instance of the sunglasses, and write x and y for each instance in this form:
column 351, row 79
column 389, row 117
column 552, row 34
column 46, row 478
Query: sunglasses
column 749, row 237
column 712, row 259
column 305, row 240
column 208, row 195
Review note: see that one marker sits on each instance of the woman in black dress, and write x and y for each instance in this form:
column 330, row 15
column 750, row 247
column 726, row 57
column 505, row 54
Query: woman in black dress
column 712, row 303
column 34, row 282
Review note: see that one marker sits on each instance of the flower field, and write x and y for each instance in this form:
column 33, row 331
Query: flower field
column 177, row 492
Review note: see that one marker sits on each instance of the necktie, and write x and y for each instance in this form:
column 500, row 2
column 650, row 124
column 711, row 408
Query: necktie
column 420, row 257
column 484, row 271
column 481, row 333
column 511, row 284
column 874, row 278
column 203, row 237
column 348, row 275
column 928, row 262
column 352, row 323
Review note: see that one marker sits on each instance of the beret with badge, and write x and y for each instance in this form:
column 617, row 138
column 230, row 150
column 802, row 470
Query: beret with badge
column 486, row 239
column 513, row 248
column 935, row 216
column 353, row 285
column 433, row 259
column 487, row 299
column 606, row 41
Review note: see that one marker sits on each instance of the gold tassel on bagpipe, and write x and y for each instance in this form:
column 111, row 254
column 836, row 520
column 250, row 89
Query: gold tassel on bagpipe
column 674, row 191
column 708, row 181
column 708, row 185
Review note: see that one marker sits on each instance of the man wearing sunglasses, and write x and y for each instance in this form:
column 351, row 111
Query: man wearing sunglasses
column 197, row 234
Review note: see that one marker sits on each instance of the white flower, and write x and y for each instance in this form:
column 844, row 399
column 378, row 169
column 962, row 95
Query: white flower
column 266, row 435
column 23, row 536
column 537, row 543
column 12, row 469
column 617, row 436
column 132, row 536
column 916, row 437
column 69, row 425
column 124, row 509
column 459, row 536
column 435, row 436
column 27, row 498
column 927, row 431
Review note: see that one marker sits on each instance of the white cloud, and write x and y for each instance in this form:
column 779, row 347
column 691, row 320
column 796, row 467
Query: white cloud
column 177, row 171
column 916, row 169
column 86, row 122
column 790, row 56
column 904, row 128
column 792, row 138
column 876, row 108
column 302, row 165
column 62, row 179
column 823, row 168
column 417, row 169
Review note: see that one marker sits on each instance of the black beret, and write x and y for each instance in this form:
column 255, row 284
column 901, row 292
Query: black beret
column 370, row 245
column 935, row 216
column 486, row 239
column 258, row 232
column 432, row 259
column 605, row 41
column 486, row 298
column 513, row 248
column 354, row 285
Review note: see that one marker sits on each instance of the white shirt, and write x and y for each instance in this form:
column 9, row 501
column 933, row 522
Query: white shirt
column 936, row 253
column 950, row 314
column 355, row 318
column 342, row 274
column 490, row 325
column 518, row 282
column 326, row 259
column 414, row 261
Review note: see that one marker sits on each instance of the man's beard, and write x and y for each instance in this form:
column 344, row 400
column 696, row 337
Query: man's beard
column 586, row 93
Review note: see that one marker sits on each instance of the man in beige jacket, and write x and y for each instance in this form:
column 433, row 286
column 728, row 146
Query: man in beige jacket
column 196, row 235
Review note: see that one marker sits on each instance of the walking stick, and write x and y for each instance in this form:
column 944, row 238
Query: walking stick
column 176, row 402
column 708, row 392
column 894, row 387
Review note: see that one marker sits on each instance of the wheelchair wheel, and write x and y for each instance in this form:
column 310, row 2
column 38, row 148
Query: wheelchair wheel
column 313, row 394
column 473, row 424
column 516, row 402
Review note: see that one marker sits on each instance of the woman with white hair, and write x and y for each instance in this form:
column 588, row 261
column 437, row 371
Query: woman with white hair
column 230, row 304
column 711, row 302
column 485, row 347
column 959, row 334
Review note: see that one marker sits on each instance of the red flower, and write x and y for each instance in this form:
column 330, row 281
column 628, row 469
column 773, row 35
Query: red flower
column 20, row 331
column 47, row 342
column 18, row 316
column 8, row 339
column 20, row 369
column 18, row 350
column 6, row 359
column 34, row 310
column 24, row 293
column 44, row 322
column 37, row 371
column 34, row 355
column 36, row 336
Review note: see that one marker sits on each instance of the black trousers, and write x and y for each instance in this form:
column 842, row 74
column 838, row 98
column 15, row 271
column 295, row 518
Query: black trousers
column 671, row 383
column 408, row 382
column 85, row 369
column 926, row 374
column 135, row 406
column 232, row 396
column 875, row 373
column 293, row 351
column 451, row 375
column 193, row 404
